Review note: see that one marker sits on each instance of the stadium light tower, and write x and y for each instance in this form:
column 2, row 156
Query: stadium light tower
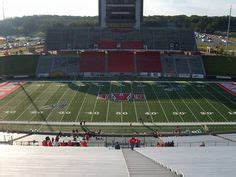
column 227, row 42
column 3, row 10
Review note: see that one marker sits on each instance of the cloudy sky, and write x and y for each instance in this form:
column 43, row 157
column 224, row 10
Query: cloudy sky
column 15, row 8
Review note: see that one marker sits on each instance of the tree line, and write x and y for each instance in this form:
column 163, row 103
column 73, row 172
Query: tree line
column 38, row 24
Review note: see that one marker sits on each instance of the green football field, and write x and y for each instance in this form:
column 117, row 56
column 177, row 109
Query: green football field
column 163, row 102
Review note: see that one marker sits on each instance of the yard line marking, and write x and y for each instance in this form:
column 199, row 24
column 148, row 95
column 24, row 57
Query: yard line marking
column 210, row 104
column 172, row 103
column 38, row 96
column 147, row 105
column 95, row 103
column 185, row 104
column 135, row 108
column 19, row 94
column 121, row 108
column 159, row 103
column 222, row 94
column 76, row 92
column 77, row 117
column 186, row 91
column 108, row 104
column 48, row 116
column 218, row 100
column 19, row 103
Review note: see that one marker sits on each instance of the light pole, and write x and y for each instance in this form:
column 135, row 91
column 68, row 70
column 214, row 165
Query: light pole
column 227, row 42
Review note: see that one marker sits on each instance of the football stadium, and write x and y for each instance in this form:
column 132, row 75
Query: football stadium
column 104, row 86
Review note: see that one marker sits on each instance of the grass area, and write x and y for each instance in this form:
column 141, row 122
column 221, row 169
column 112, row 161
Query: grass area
column 163, row 102
column 18, row 65
column 220, row 65
column 203, row 47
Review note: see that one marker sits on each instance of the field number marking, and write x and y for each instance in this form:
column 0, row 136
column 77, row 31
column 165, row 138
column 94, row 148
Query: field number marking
column 232, row 113
column 36, row 112
column 122, row 113
column 151, row 113
column 206, row 113
column 60, row 85
column 92, row 113
column 10, row 112
column 64, row 112
column 179, row 113
column 39, row 85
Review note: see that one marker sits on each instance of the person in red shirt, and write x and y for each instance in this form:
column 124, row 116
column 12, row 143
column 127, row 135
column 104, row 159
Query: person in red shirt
column 132, row 142
column 44, row 143
column 84, row 143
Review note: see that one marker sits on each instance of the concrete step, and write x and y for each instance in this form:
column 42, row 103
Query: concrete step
column 141, row 166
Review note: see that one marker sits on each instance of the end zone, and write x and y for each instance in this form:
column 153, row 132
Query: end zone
column 7, row 88
column 228, row 87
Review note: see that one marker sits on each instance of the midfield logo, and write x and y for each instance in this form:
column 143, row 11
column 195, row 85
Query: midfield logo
column 122, row 97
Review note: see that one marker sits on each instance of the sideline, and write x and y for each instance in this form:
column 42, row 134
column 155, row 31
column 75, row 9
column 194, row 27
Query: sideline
column 116, row 123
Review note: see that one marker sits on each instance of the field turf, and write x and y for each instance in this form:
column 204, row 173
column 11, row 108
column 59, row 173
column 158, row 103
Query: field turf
column 76, row 101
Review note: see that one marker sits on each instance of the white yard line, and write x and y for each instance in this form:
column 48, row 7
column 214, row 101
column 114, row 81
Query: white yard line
column 222, row 94
column 38, row 97
column 159, row 103
column 21, row 93
column 121, row 108
column 149, row 110
column 108, row 104
column 20, row 102
column 210, row 104
column 218, row 100
column 183, row 101
column 77, row 117
column 121, row 105
column 173, row 104
column 48, row 116
column 135, row 108
column 76, row 92
column 197, row 103
column 95, row 104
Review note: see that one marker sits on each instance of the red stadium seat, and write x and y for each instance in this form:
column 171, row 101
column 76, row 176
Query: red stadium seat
column 132, row 45
column 92, row 61
column 107, row 44
column 148, row 62
column 121, row 61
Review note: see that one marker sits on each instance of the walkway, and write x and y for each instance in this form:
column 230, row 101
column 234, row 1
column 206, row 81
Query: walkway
column 141, row 166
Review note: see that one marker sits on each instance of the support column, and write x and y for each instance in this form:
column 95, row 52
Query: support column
column 102, row 13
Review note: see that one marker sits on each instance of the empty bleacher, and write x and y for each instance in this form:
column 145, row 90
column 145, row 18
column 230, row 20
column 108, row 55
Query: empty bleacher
column 132, row 45
column 68, row 65
column 168, row 65
column 44, row 66
column 152, row 38
column 148, row 62
column 121, row 62
column 107, row 44
column 92, row 61
column 182, row 65
column 73, row 66
column 196, row 65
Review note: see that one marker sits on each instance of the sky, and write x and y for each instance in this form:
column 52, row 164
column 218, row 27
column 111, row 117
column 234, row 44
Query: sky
column 18, row 8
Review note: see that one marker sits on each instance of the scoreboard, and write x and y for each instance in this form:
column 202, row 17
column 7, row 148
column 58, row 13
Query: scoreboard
column 120, row 13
